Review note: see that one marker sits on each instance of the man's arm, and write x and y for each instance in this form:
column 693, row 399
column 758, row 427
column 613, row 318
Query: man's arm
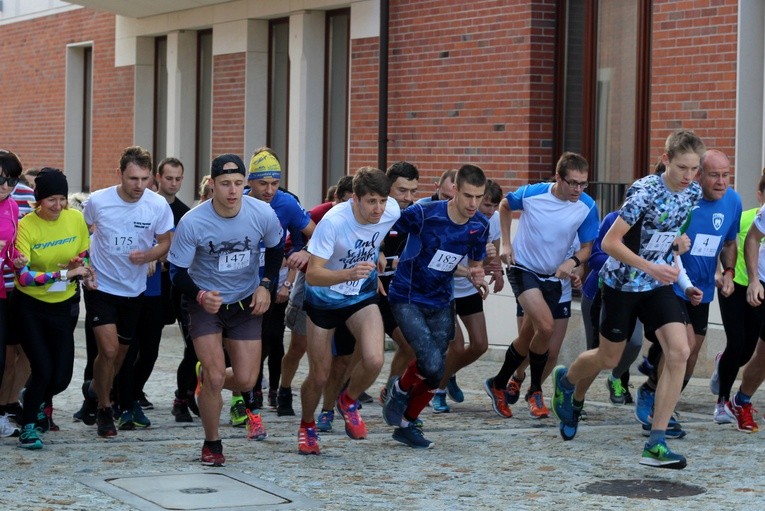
column 505, row 225
column 298, row 258
column 754, row 293
column 614, row 246
column 156, row 252
column 728, row 256
column 318, row 275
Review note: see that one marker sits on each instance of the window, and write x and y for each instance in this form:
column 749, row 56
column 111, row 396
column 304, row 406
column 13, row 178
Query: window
column 602, row 102
column 160, row 99
column 204, row 104
column 279, row 91
column 337, row 44
column 78, row 116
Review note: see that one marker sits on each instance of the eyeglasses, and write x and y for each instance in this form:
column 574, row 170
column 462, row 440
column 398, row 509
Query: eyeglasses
column 576, row 184
column 12, row 181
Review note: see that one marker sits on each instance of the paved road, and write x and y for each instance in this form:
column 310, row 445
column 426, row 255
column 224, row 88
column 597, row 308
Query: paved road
column 480, row 461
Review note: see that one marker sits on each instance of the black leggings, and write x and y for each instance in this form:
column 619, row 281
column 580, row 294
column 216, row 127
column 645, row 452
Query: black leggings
column 48, row 342
column 742, row 324
column 273, row 344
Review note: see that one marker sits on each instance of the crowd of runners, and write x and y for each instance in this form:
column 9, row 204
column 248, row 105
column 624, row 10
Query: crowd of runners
column 248, row 261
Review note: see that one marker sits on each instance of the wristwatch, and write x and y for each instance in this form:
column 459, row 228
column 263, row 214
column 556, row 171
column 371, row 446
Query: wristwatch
column 266, row 284
column 62, row 275
column 287, row 284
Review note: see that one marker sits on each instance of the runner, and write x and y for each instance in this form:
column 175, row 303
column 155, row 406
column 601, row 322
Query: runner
column 214, row 263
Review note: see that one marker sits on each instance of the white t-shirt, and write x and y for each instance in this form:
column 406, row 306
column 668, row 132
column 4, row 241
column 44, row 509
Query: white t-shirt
column 120, row 228
column 462, row 285
column 344, row 242
column 222, row 254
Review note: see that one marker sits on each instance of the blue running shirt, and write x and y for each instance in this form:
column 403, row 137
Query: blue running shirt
column 712, row 224
column 655, row 215
column 425, row 273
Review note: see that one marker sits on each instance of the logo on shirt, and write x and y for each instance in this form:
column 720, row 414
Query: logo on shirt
column 55, row 243
column 229, row 246
column 363, row 250
column 717, row 220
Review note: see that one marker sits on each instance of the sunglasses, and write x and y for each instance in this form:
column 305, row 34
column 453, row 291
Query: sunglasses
column 11, row 181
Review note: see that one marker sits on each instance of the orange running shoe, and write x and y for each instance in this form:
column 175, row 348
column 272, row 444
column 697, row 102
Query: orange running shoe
column 255, row 428
column 537, row 408
column 498, row 399
column 308, row 441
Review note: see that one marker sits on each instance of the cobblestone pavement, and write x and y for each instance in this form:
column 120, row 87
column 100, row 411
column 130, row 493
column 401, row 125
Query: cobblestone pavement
column 480, row 461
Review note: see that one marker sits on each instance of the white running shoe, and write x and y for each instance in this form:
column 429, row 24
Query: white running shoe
column 714, row 380
column 7, row 428
column 722, row 416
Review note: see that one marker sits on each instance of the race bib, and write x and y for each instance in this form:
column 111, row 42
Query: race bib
column 122, row 244
column 348, row 288
column 660, row 242
column 444, row 261
column 57, row 287
column 705, row 245
column 231, row 261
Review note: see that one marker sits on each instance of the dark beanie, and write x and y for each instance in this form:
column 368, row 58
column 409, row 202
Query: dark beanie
column 216, row 169
column 50, row 182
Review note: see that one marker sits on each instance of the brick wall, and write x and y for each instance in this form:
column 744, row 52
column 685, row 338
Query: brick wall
column 469, row 82
column 694, row 71
column 32, row 91
column 228, row 104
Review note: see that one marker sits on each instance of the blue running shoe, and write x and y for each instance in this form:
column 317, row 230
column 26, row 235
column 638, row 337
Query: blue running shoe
column 139, row 418
column 454, row 390
column 324, row 422
column 439, row 403
column 563, row 405
column 395, row 405
column 646, row 367
column 661, row 456
column 644, row 404
column 412, row 436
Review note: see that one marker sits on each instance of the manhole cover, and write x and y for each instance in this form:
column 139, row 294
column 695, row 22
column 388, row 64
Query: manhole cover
column 643, row 489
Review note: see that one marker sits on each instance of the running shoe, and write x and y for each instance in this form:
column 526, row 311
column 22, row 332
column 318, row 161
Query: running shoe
column 200, row 380
column 354, row 424
column 644, row 404
column 255, row 428
column 14, row 411
column 498, row 399
column 439, row 403
column 412, row 436
column 615, row 390
column 30, row 437
column 212, row 454
column 628, row 400
column 105, row 423
column 563, row 406
column 89, row 406
column 125, row 422
column 454, row 390
column 145, row 403
column 324, row 422
column 284, row 402
column 272, row 398
column 659, row 455
column 714, row 380
column 256, row 400
column 181, row 409
column 537, row 408
column 7, row 428
column 42, row 423
column 308, row 441
column 365, row 398
column 52, row 426
column 139, row 418
column 238, row 412
column 722, row 416
column 514, row 389
column 646, row 367
column 395, row 404
column 744, row 418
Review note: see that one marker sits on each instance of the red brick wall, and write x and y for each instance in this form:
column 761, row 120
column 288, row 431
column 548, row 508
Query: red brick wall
column 694, row 71
column 228, row 104
column 470, row 82
column 33, row 86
